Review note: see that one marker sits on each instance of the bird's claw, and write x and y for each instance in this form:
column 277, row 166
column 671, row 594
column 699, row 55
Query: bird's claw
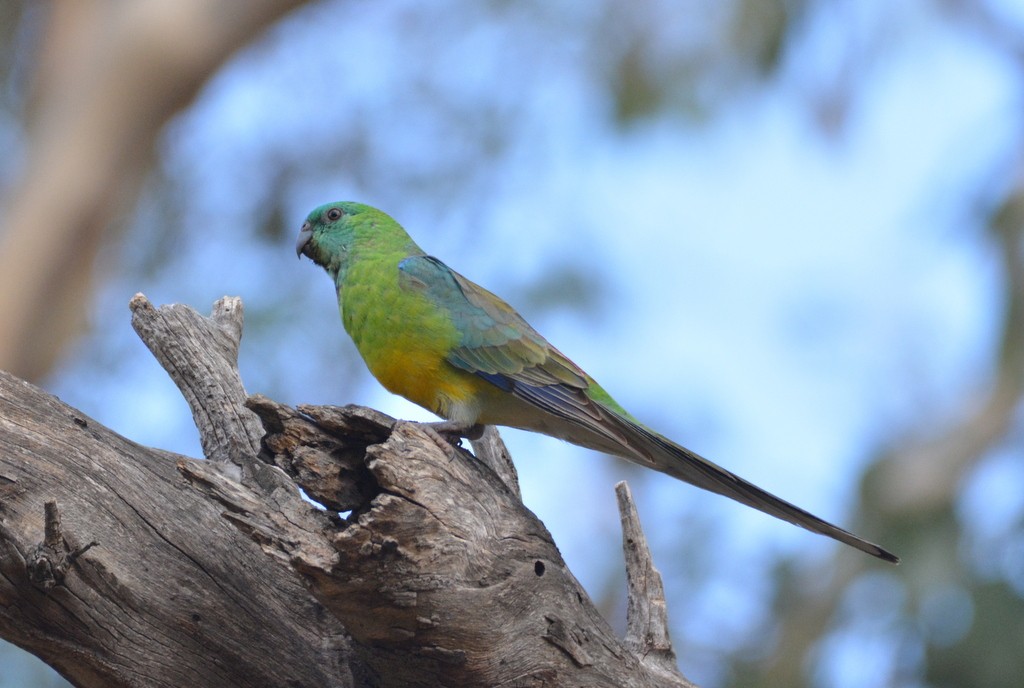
column 448, row 435
column 445, row 442
column 454, row 432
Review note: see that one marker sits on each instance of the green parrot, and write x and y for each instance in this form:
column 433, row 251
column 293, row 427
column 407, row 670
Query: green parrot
column 430, row 335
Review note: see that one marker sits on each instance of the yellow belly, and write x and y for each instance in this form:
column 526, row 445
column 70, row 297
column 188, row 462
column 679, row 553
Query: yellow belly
column 425, row 378
column 404, row 339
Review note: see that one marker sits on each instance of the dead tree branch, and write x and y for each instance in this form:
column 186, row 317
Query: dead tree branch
column 171, row 595
column 420, row 567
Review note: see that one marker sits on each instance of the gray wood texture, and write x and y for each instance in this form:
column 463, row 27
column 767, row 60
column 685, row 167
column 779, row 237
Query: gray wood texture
column 418, row 565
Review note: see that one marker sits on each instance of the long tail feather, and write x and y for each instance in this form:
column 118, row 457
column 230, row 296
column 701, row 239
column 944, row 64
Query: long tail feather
column 608, row 430
column 681, row 463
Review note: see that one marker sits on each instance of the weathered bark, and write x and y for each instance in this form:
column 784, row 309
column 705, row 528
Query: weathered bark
column 169, row 595
column 423, row 568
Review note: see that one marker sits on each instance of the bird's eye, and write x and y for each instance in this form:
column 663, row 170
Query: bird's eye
column 334, row 214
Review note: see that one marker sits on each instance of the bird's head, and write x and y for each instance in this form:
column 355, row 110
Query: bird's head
column 335, row 234
column 328, row 233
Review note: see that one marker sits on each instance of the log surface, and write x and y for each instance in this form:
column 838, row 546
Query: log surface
column 408, row 562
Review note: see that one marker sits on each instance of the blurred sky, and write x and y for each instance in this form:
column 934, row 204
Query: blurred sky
column 776, row 299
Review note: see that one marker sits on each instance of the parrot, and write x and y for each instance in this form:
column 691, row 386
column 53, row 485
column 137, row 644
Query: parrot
column 430, row 335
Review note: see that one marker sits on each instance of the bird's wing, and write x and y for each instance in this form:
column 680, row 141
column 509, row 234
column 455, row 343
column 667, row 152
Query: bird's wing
column 498, row 345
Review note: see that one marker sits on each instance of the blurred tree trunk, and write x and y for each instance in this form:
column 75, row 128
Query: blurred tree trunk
column 109, row 75
column 127, row 566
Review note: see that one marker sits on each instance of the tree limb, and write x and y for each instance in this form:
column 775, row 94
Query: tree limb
column 424, row 566
column 170, row 596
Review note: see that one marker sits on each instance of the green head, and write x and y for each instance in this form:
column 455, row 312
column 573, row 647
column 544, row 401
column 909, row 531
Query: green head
column 335, row 233
column 328, row 233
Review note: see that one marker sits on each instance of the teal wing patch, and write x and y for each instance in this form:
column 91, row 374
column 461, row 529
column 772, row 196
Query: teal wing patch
column 496, row 341
column 499, row 346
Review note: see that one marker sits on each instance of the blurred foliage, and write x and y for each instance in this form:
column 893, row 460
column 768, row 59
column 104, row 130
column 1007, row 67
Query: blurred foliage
column 989, row 653
column 403, row 131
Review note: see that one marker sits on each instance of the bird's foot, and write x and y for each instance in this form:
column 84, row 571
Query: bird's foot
column 454, row 432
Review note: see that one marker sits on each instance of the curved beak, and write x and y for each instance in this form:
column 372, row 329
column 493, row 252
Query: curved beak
column 305, row 234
